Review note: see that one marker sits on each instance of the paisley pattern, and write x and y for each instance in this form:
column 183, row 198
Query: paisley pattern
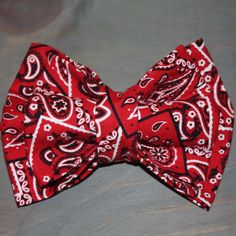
column 61, row 122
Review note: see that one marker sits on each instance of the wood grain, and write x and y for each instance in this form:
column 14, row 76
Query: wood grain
column 120, row 40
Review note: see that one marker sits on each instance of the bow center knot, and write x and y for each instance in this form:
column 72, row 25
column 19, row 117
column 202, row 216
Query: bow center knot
column 117, row 119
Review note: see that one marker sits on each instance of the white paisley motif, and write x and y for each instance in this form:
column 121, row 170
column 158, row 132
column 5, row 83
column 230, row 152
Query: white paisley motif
column 101, row 119
column 69, row 83
column 22, row 196
column 64, row 184
column 230, row 112
column 51, row 115
column 32, row 59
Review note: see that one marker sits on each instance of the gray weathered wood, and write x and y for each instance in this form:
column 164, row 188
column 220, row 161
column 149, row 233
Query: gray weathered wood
column 120, row 40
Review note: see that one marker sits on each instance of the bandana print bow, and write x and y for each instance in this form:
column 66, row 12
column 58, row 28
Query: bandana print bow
column 60, row 122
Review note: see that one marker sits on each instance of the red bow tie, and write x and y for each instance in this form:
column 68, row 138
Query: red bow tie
column 60, row 122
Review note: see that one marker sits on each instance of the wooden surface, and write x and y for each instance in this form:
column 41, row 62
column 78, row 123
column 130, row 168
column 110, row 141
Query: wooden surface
column 120, row 39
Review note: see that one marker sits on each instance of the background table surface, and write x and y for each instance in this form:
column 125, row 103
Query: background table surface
column 120, row 39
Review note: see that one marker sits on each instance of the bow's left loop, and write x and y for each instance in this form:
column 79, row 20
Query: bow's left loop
column 43, row 127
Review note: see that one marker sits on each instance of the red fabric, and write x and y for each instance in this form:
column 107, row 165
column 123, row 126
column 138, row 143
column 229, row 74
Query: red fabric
column 61, row 122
